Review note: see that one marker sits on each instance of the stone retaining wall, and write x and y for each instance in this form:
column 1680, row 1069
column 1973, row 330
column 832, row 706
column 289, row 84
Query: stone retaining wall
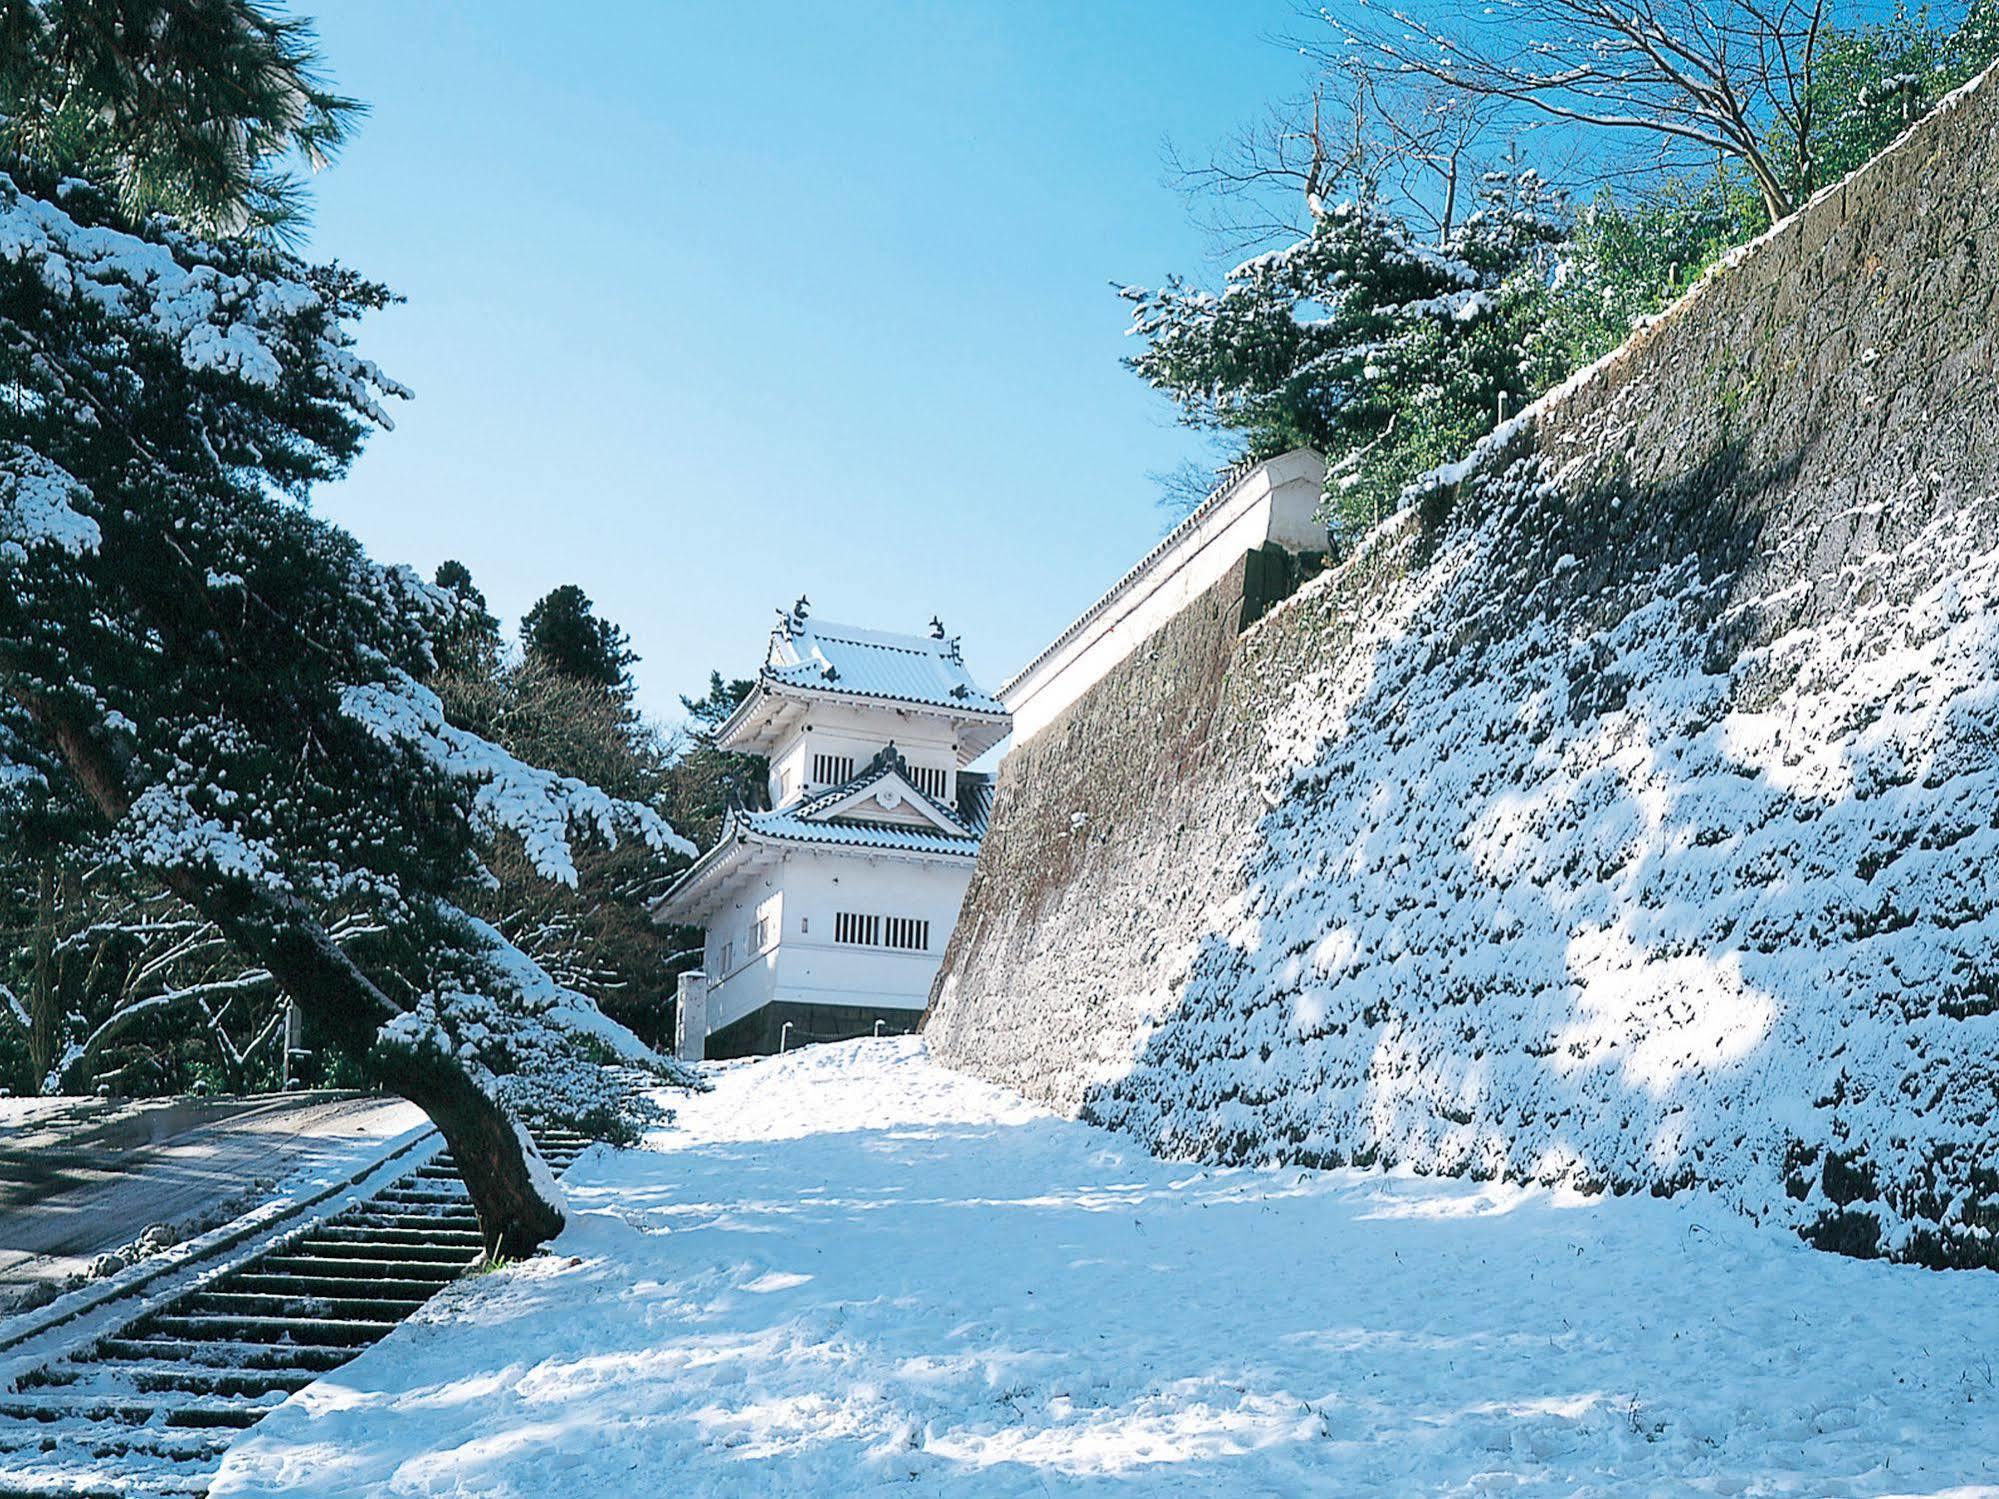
column 1626, row 814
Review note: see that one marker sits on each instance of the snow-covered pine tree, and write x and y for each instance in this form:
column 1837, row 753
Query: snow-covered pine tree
column 1385, row 353
column 596, row 936
column 221, row 692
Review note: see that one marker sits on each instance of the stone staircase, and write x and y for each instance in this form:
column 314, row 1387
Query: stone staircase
column 151, row 1409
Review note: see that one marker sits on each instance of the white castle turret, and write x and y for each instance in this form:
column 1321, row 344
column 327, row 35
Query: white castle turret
column 826, row 916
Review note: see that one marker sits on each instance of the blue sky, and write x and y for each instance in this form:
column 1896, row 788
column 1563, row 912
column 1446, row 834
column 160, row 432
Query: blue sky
column 712, row 305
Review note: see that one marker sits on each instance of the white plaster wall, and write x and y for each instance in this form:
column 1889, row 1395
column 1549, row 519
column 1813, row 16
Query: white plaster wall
column 836, row 729
column 1275, row 501
column 802, row 894
column 812, row 968
column 748, row 980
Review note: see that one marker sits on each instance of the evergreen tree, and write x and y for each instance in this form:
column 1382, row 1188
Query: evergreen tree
column 197, row 108
column 469, row 641
column 596, row 936
column 707, row 714
column 208, row 688
column 698, row 787
column 1874, row 81
column 701, row 783
column 1386, row 354
column 563, row 632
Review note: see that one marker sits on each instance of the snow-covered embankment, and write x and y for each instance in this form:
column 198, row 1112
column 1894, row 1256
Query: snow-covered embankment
column 1625, row 814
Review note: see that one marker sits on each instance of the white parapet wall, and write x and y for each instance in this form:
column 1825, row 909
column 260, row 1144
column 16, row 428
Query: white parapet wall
column 1277, row 501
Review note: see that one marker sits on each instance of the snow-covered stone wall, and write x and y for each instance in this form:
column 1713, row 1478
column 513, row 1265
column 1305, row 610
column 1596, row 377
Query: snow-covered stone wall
column 1626, row 813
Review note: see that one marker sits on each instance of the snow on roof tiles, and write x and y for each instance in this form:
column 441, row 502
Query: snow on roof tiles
column 804, row 822
column 828, row 657
column 789, row 826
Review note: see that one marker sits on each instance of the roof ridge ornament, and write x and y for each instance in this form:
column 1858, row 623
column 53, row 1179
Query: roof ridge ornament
column 886, row 759
column 791, row 622
column 936, row 628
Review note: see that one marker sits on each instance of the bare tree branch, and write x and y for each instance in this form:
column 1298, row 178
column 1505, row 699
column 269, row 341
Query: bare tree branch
column 1734, row 77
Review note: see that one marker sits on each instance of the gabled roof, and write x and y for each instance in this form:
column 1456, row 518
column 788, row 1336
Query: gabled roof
column 813, row 658
column 884, row 783
column 829, row 819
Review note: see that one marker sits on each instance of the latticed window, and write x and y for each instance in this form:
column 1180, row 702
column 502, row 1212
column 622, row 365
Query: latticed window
column 909, row 933
column 832, row 770
column 904, row 933
column 857, row 929
column 930, row 780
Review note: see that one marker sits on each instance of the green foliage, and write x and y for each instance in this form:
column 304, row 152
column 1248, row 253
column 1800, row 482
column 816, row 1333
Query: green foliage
column 1391, row 358
column 468, row 642
column 596, row 938
column 198, row 108
column 1874, row 81
column 563, row 633
column 1385, row 354
column 205, row 689
column 709, row 713
column 1624, row 262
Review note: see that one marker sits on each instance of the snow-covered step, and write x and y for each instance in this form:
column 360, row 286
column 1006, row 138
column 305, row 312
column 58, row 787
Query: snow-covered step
column 463, row 1243
column 354, row 1267
column 437, row 1197
column 134, row 1409
column 336, row 1288
column 266, row 1304
column 102, row 1439
column 73, row 1475
column 326, row 1250
column 164, row 1377
column 287, row 1332
column 150, row 1409
column 422, row 1222
column 226, row 1353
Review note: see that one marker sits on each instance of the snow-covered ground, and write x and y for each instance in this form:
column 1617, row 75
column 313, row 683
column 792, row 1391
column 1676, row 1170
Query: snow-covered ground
column 850, row 1269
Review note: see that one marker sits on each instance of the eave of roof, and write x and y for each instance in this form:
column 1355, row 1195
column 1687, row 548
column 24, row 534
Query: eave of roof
column 739, row 725
column 796, row 825
column 786, row 827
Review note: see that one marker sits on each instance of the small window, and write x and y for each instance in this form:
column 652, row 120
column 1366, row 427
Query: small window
column 907, row 933
column 832, row 770
column 725, row 957
column 857, row 930
column 929, row 780
column 760, row 935
column 902, row 933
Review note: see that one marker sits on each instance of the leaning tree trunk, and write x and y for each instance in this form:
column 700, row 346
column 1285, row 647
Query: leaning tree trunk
column 347, row 1007
column 278, row 931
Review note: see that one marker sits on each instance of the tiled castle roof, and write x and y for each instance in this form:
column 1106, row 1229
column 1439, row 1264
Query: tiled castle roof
column 828, row 657
column 808, row 822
